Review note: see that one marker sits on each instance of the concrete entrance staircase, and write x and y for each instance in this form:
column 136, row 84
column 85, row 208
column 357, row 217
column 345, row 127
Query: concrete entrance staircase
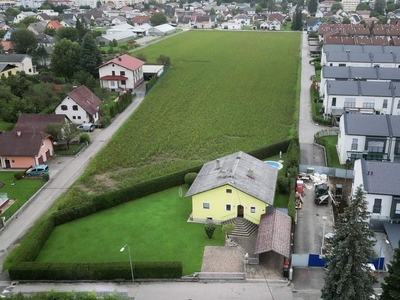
column 243, row 227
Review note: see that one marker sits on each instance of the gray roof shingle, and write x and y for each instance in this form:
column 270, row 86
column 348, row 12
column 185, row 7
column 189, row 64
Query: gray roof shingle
column 274, row 233
column 381, row 177
column 362, row 88
column 368, row 125
column 233, row 171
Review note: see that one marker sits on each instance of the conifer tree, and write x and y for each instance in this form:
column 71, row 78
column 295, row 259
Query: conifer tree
column 348, row 277
column 391, row 287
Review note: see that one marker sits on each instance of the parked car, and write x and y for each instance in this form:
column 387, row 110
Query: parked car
column 38, row 170
column 86, row 127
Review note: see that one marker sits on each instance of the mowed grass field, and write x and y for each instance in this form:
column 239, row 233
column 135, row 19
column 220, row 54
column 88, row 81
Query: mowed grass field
column 224, row 92
column 155, row 227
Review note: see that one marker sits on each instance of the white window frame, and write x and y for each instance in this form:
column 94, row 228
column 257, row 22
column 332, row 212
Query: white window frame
column 207, row 203
column 228, row 191
column 226, row 207
column 253, row 208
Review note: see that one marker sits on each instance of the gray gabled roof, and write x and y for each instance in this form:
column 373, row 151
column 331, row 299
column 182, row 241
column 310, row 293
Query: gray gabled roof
column 366, row 125
column 10, row 58
column 381, row 177
column 362, row 88
column 233, row 171
column 361, row 72
column 394, row 123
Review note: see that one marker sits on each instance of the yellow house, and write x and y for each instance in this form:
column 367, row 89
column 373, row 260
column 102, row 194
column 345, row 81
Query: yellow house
column 7, row 70
column 235, row 186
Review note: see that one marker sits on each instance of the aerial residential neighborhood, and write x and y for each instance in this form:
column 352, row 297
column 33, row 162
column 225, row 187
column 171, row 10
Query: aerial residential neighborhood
column 148, row 148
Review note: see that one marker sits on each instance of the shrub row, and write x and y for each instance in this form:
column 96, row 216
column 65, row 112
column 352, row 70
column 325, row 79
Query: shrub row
column 315, row 108
column 270, row 150
column 151, row 83
column 94, row 271
column 123, row 102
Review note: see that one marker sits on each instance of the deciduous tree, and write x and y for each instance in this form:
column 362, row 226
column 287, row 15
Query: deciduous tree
column 312, row 6
column 65, row 58
column 348, row 277
column 380, row 6
column 69, row 33
column 23, row 41
column 158, row 19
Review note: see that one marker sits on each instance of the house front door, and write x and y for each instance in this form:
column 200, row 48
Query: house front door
column 8, row 164
column 240, row 210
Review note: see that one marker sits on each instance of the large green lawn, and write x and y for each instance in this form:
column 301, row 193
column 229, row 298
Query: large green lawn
column 154, row 227
column 22, row 190
column 224, row 92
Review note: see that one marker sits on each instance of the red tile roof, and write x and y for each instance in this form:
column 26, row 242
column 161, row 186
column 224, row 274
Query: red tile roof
column 54, row 24
column 274, row 233
column 6, row 45
column 36, row 123
column 141, row 19
column 85, row 99
column 126, row 61
column 25, row 144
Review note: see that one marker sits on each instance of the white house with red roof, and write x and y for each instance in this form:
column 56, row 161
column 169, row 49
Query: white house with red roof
column 80, row 106
column 122, row 73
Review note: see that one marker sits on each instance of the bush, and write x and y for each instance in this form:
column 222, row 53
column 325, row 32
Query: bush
column 105, row 121
column 46, row 177
column 84, row 137
column 282, row 184
column 190, row 177
column 209, row 228
column 18, row 175
column 270, row 150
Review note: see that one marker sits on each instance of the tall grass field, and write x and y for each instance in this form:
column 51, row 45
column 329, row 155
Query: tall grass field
column 224, row 92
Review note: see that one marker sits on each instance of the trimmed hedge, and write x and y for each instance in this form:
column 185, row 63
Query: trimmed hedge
column 270, row 150
column 95, row 271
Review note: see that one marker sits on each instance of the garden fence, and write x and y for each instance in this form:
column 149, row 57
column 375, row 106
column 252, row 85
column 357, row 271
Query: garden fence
column 326, row 132
column 334, row 172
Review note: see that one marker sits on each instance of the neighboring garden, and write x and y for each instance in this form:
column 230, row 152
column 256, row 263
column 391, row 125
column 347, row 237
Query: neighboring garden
column 186, row 120
column 20, row 190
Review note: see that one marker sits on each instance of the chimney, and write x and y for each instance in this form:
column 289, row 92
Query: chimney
column 250, row 173
column 18, row 133
column 218, row 166
column 119, row 58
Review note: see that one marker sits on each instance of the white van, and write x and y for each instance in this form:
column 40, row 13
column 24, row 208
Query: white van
column 86, row 127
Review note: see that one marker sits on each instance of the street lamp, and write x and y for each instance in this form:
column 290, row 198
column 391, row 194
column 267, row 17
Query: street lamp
column 380, row 255
column 130, row 258
column 323, row 231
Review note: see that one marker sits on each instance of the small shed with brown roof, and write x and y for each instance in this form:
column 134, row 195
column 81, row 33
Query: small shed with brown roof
column 274, row 233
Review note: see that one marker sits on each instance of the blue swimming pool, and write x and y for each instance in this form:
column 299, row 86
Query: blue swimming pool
column 274, row 164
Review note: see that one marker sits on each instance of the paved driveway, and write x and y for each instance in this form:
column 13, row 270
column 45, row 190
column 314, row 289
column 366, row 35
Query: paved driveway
column 310, row 153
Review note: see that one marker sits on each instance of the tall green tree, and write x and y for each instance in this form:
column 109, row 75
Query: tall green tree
column 69, row 33
column 380, row 6
column 81, row 28
column 23, row 41
column 391, row 286
column 347, row 277
column 336, row 6
column 297, row 22
column 312, row 6
column 212, row 11
column 65, row 58
column 158, row 19
column 90, row 55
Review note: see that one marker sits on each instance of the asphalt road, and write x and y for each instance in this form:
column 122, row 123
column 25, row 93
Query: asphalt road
column 310, row 153
column 172, row 290
column 58, row 184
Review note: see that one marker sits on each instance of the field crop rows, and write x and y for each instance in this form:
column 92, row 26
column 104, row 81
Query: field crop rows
column 224, row 92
